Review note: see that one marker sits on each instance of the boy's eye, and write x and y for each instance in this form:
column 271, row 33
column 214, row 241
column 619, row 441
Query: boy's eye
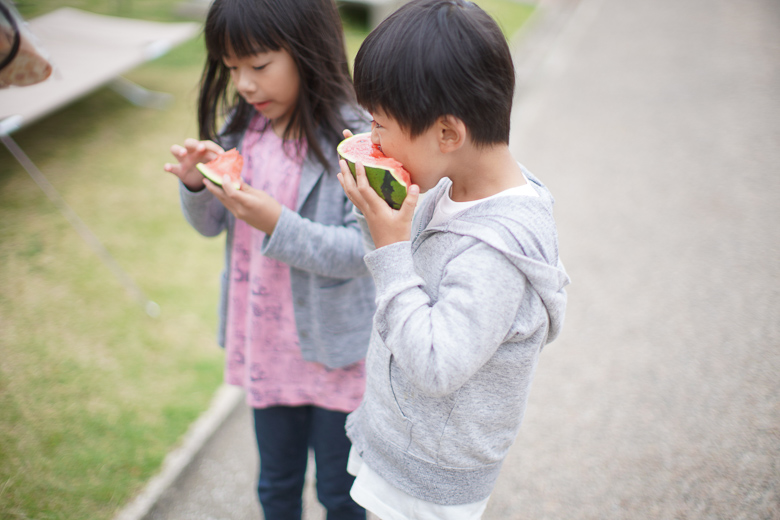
column 375, row 124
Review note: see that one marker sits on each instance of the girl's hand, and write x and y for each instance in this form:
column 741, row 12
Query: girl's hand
column 188, row 156
column 386, row 225
column 255, row 207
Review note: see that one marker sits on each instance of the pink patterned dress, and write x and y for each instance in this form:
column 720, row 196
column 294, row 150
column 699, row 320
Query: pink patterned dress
column 261, row 344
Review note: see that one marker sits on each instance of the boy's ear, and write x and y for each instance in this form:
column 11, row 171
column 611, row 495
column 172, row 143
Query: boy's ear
column 451, row 133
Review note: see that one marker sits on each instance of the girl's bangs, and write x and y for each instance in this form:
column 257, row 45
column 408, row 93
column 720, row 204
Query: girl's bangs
column 241, row 34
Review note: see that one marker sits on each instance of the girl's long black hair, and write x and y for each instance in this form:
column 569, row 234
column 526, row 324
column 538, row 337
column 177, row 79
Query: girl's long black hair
column 311, row 31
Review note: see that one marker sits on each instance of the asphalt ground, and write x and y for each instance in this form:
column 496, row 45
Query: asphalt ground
column 656, row 124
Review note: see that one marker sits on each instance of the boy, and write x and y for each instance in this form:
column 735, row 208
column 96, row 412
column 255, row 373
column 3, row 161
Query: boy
column 469, row 288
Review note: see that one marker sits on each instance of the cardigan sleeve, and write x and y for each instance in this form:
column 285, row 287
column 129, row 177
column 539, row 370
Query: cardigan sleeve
column 335, row 251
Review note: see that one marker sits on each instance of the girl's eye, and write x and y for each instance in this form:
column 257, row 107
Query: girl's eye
column 261, row 67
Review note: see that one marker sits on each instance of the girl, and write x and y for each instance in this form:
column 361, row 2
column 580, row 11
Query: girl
column 297, row 301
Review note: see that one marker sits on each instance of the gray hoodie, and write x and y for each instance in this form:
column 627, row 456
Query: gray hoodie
column 463, row 311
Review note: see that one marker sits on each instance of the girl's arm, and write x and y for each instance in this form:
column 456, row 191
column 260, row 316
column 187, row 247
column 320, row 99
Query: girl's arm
column 201, row 209
column 188, row 156
column 335, row 251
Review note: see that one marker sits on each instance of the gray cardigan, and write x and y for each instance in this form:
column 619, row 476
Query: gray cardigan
column 463, row 312
column 333, row 295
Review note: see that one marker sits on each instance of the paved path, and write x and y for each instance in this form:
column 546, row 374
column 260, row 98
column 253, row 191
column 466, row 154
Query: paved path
column 656, row 123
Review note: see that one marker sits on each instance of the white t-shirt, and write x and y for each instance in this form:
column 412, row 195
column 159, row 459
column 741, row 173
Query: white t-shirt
column 446, row 208
column 390, row 503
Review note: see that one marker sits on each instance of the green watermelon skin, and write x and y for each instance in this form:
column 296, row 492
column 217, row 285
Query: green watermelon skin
column 387, row 182
column 227, row 163
column 213, row 176
column 383, row 182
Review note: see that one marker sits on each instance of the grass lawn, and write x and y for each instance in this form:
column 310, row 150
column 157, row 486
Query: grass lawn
column 93, row 392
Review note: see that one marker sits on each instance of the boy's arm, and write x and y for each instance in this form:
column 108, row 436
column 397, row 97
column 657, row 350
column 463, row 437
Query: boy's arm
column 440, row 346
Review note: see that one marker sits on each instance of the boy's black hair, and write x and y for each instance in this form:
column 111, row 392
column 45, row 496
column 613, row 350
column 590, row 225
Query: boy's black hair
column 311, row 32
column 439, row 57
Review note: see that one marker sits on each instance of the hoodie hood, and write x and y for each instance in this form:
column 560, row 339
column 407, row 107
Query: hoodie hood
column 522, row 228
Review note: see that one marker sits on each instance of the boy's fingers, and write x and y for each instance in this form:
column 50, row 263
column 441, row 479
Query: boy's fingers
column 347, row 133
column 347, row 179
column 410, row 202
column 362, row 180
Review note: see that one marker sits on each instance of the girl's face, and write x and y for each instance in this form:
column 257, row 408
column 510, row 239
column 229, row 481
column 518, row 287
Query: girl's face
column 269, row 81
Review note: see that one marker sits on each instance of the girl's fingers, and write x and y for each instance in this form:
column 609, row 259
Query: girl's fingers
column 191, row 144
column 211, row 146
column 214, row 189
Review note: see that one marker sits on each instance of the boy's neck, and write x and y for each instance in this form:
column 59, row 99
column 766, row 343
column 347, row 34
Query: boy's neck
column 477, row 173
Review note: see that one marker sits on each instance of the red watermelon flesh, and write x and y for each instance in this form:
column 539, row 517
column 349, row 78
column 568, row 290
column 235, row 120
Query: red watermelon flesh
column 363, row 147
column 386, row 175
column 228, row 163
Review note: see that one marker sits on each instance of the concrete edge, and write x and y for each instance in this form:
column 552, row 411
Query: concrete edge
column 225, row 400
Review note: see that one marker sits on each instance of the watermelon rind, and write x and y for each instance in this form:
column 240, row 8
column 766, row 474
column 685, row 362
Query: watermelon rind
column 213, row 176
column 385, row 181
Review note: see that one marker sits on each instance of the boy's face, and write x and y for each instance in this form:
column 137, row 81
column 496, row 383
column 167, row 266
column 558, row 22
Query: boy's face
column 419, row 155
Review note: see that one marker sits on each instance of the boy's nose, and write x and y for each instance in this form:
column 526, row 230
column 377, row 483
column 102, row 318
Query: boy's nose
column 374, row 135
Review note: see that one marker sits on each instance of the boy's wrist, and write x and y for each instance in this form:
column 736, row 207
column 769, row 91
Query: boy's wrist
column 386, row 237
column 387, row 264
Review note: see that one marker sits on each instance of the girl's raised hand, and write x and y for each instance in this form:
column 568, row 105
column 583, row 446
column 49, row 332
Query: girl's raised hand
column 255, row 207
column 188, row 156
column 386, row 225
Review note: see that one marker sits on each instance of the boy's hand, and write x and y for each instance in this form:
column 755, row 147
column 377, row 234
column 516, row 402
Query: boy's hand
column 255, row 207
column 386, row 225
column 188, row 156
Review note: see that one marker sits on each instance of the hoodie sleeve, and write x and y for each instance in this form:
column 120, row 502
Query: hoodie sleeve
column 441, row 344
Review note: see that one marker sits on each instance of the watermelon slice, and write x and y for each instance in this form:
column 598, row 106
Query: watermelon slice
column 227, row 163
column 387, row 176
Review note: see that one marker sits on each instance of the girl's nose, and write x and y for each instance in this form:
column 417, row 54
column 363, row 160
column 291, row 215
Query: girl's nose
column 244, row 83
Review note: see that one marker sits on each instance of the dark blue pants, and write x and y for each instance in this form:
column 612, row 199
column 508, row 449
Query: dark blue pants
column 284, row 435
